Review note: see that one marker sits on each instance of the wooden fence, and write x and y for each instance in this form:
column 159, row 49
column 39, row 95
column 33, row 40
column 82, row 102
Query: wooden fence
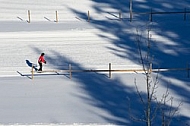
column 151, row 13
column 131, row 14
column 110, row 70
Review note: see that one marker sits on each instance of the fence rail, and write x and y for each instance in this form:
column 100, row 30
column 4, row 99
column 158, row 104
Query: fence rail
column 169, row 12
column 151, row 13
column 119, row 14
column 110, row 71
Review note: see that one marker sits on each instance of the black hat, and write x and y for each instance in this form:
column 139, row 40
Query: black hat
column 42, row 54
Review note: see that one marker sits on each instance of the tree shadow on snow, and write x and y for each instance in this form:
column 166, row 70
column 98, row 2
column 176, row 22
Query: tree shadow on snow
column 112, row 96
column 165, row 55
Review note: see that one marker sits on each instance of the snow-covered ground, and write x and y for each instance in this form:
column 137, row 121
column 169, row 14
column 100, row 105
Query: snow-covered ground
column 88, row 98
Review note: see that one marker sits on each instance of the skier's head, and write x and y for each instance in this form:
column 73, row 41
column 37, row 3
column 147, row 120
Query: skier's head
column 42, row 54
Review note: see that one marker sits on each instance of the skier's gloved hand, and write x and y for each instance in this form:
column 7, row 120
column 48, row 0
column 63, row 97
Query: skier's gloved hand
column 45, row 62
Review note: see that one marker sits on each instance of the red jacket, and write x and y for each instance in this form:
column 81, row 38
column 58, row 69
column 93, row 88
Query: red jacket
column 41, row 59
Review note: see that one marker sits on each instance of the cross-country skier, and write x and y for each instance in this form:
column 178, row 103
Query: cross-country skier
column 41, row 60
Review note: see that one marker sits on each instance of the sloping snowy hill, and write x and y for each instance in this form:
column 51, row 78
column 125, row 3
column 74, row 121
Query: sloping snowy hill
column 88, row 98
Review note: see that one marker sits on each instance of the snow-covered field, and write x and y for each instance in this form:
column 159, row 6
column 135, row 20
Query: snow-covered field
column 88, row 98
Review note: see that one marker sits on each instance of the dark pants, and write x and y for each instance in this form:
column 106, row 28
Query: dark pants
column 40, row 69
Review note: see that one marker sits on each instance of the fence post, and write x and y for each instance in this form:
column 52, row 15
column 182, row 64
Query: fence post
column 70, row 71
column 130, row 10
column 56, row 15
column 188, row 70
column 32, row 71
column 120, row 15
column 88, row 16
column 109, row 70
column 150, row 69
column 28, row 16
column 150, row 16
column 185, row 14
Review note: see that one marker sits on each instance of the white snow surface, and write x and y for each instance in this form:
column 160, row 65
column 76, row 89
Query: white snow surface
column 89, row 98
